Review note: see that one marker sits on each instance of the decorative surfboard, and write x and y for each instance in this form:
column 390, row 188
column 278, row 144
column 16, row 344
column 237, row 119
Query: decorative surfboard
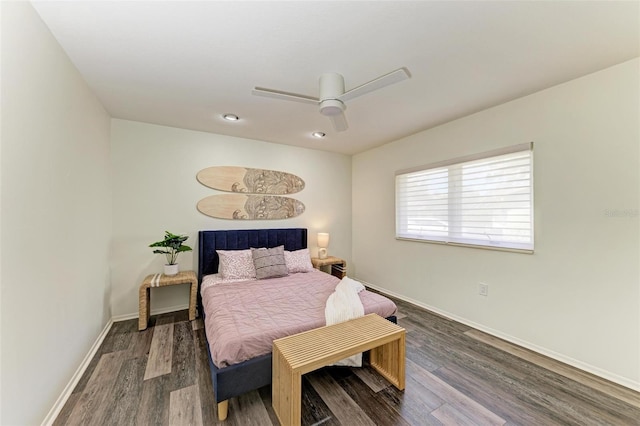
column 250, row 207
column 250, row 181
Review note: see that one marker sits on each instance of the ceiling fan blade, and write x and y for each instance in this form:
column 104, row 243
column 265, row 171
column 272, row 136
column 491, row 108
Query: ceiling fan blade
column 378, row 83
column 287, row 96
column 339, row 122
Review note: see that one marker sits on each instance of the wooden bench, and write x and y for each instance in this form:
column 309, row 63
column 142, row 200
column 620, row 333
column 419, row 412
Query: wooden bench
column 302, row 353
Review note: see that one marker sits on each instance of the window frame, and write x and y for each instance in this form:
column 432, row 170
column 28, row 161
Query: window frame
column 526, row 247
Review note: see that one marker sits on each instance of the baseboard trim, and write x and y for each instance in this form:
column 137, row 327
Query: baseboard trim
column 622, row 381
column 68, row 390
column 159, row 311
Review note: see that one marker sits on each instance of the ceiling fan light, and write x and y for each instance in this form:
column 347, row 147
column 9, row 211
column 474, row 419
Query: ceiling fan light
column 331, row 107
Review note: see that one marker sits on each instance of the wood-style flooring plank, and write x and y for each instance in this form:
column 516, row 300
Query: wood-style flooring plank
column 161, row 352
column 123, row 402
column 496, row 382
column 371, row 378
column 249, row 409
column 373, row 405
column 141, row 343
column 314, row 410
column 448, row 415
column 496, row 396
column 93, row 401
column 612, row 389
column 500, row 380
column 455, row 398
column 414, row 404
column 203, row 378
column 183, row 372
column 454, row 375
column 265, row 395
column 118, row 339
column 339, row 402
column 184, row 407
column 64, row 414
column 165, row 319
column 153, row 407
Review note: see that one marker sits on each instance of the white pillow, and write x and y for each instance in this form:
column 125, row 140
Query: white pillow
column 298, row 261
column 236, row 264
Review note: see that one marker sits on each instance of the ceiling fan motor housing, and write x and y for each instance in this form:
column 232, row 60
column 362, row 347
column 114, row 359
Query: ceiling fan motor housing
column 331, row 88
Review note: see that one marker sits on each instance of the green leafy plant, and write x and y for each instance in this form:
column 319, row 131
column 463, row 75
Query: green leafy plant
column 172, row 245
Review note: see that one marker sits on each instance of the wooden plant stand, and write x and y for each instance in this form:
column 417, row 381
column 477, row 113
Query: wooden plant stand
column 302, row 353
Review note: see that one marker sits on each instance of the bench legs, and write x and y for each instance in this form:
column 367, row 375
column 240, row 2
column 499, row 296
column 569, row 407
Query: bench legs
column 223, row 409
column 388, row 361
column 286, row 385
column 286, row 391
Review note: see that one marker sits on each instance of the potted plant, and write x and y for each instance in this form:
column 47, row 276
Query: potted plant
column 172, row 245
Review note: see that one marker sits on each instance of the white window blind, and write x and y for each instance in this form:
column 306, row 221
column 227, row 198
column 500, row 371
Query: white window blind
column 483, row 200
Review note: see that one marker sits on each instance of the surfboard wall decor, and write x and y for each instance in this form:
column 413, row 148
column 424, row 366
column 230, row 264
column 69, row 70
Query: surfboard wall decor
column 250, row 181
column 250, row 207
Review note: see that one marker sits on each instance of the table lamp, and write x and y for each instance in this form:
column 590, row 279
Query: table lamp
column 323, row 243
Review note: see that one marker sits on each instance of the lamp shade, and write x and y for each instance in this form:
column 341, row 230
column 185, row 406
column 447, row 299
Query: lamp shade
column 323, row 240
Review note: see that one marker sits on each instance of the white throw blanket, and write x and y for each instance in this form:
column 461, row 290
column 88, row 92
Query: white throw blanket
column 342, row 305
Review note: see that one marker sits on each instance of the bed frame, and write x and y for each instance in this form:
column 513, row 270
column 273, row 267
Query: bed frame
column 255, row 373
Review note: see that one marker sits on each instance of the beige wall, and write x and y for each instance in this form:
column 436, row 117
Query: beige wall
column 155, row 189
column 68, row 171
column 577, row 298
column 56, row 217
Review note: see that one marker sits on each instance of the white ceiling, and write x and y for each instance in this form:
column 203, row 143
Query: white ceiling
column 183, row 64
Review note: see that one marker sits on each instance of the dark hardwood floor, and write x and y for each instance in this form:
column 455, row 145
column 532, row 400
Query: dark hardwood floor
column 455, row 376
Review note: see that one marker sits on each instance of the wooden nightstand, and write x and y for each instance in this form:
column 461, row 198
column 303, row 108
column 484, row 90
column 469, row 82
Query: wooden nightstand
column 338, row 266
column 162, row 280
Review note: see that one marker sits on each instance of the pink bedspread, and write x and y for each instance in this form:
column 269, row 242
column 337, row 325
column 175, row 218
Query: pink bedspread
column 243, row 318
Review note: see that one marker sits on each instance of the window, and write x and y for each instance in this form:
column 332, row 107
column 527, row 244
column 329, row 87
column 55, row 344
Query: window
column 482, row 200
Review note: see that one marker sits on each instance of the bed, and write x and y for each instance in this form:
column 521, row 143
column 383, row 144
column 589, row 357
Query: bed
column 243, row 371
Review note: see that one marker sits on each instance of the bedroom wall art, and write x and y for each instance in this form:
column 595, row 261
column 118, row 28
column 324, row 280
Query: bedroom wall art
column 250, row 181
column 250, row 207
column 257, row 193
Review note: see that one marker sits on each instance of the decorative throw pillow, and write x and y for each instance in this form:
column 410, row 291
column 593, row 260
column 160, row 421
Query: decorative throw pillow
column 298, row 261
column 236, row 264
column 269, row 263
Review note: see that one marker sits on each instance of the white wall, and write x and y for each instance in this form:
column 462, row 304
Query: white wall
column 155, row 189
column 56, row 217
column 578, row 297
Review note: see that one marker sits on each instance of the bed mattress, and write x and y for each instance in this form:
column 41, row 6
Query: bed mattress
column 243, row 318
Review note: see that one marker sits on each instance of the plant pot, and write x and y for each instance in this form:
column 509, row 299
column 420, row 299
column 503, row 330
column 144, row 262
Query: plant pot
column 171, row 269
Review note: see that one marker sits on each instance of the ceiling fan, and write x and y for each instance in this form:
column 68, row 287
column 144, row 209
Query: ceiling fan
column 333, row 96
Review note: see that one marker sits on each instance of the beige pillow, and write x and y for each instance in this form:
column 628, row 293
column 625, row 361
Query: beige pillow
column 269, row 263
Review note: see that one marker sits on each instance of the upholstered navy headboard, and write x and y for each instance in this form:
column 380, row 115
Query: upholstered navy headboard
column 210, row 241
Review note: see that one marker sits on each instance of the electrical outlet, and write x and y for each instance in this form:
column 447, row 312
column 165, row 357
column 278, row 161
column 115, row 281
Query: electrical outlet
column 483, row 289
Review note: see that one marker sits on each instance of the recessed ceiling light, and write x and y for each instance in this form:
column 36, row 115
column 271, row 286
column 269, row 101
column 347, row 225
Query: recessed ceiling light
column 231, row 117
column 318, row 135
